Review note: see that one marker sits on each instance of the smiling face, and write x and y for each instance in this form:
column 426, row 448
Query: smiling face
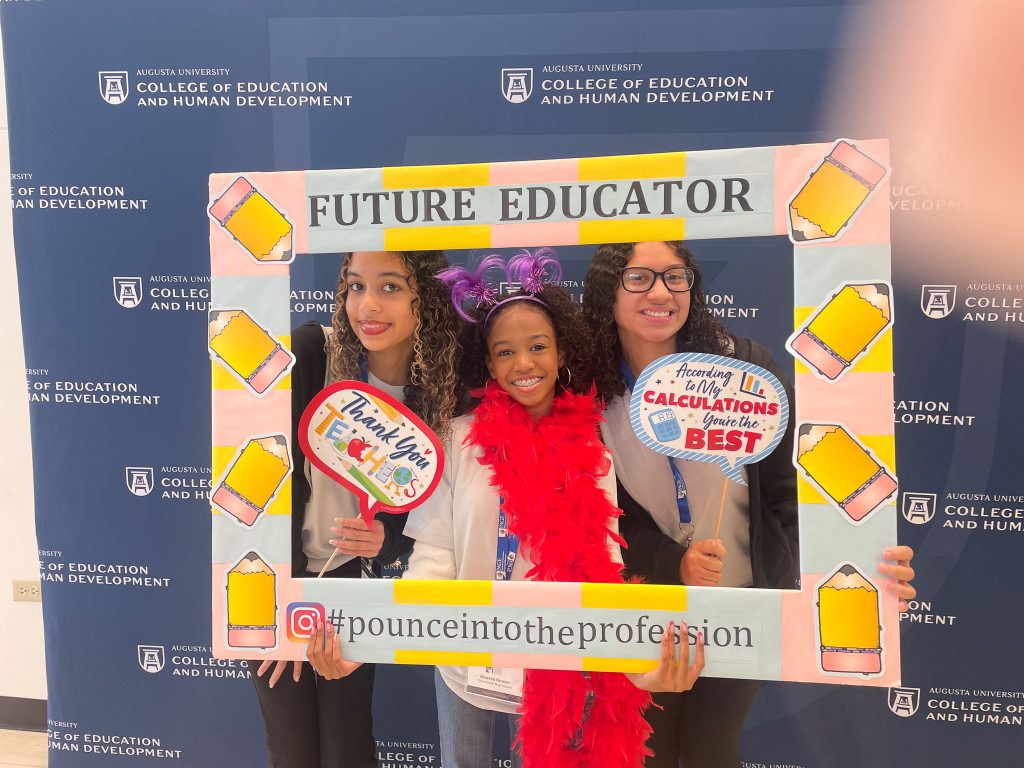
column 522, row 356
column 652, row 319
column 379, row 302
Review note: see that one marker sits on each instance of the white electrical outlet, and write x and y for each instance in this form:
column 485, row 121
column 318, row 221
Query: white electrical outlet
column 27, row 591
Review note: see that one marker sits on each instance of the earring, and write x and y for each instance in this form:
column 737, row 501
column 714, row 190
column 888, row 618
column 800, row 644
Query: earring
column 569, row 381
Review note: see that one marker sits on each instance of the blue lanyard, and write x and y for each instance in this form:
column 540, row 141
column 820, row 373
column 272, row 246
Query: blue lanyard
column 508, row 547
column 682, row 504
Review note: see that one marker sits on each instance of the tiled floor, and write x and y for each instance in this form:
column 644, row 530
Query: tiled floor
column 22, row 748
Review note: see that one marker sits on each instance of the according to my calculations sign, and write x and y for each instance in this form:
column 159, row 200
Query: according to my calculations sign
column 709, row 408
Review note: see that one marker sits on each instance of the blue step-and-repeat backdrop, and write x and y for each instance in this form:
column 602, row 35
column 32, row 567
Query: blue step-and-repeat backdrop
column 119, row 110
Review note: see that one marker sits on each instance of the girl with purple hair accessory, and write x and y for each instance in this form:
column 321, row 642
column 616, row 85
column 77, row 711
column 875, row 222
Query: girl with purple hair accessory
column 528, row 493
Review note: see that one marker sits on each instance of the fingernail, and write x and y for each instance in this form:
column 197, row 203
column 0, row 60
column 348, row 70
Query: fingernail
column 700, row 637
column 887, row 554
column 272, row 685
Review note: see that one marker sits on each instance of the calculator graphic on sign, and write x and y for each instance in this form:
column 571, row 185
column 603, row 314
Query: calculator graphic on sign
column 665, row 425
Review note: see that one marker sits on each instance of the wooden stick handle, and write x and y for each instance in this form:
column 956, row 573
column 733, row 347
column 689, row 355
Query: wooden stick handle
column 327, row 564
column 721, row 506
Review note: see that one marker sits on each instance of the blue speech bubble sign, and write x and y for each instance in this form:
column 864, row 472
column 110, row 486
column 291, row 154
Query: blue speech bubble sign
column 709, row 408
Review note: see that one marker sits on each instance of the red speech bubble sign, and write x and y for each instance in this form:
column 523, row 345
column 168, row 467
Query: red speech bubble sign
column 372, row 445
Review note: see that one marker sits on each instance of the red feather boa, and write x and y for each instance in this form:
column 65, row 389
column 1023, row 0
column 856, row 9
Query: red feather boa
column 547, row 471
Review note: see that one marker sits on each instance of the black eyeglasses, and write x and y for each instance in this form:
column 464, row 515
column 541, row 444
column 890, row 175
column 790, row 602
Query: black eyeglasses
column 641, row 279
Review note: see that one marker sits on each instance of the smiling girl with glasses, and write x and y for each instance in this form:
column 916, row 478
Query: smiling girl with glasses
column 670, row 505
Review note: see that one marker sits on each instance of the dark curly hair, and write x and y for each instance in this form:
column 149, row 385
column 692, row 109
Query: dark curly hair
column 433, row 392
column 700, row 333
column 572, row 335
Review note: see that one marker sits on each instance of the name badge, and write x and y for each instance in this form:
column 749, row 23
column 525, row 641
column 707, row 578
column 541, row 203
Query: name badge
column 496, row 683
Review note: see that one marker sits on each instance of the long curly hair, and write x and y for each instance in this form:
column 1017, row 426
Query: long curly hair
column 434, row 388
column 700, row 333
column 572, row 335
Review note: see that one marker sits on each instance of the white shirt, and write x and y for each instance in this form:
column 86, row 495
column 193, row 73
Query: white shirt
column 328, row 500
column 456, row 532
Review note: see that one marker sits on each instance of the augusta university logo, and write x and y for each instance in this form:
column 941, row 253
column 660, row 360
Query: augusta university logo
column 919, row 508
column 139, row 480
column 937, row 301
column 517, row 84
column 151, row 658
column 114, row 87
column 128, row 291
column 903, row 701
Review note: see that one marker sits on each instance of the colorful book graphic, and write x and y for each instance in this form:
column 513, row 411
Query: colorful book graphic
column 254, row 223
column 254, row 478
column 843, row 328
column 252, row 604
column 849, row 630
column 835, row 192
column 842, row 469
column 247, row 349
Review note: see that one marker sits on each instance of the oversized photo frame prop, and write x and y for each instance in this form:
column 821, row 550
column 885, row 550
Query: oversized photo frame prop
column 841, row 625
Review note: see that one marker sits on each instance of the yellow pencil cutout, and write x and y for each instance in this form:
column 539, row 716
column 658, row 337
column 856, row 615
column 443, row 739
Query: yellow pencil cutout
column 843, row 469
column 256, row 224
column 247, row 349
column 254, row 478
column 844, row 329
column 834, row 193
column 252, row 604
column 849, row 630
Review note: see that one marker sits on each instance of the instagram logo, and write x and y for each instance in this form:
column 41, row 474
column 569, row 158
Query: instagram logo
column 302, row 620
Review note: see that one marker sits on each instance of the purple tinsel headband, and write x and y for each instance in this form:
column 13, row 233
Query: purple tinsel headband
column 509, row 300
column 532, row 271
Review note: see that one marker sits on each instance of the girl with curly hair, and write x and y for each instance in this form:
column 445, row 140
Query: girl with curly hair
column 395, row 328
column 644, row 301
column 528, row 493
